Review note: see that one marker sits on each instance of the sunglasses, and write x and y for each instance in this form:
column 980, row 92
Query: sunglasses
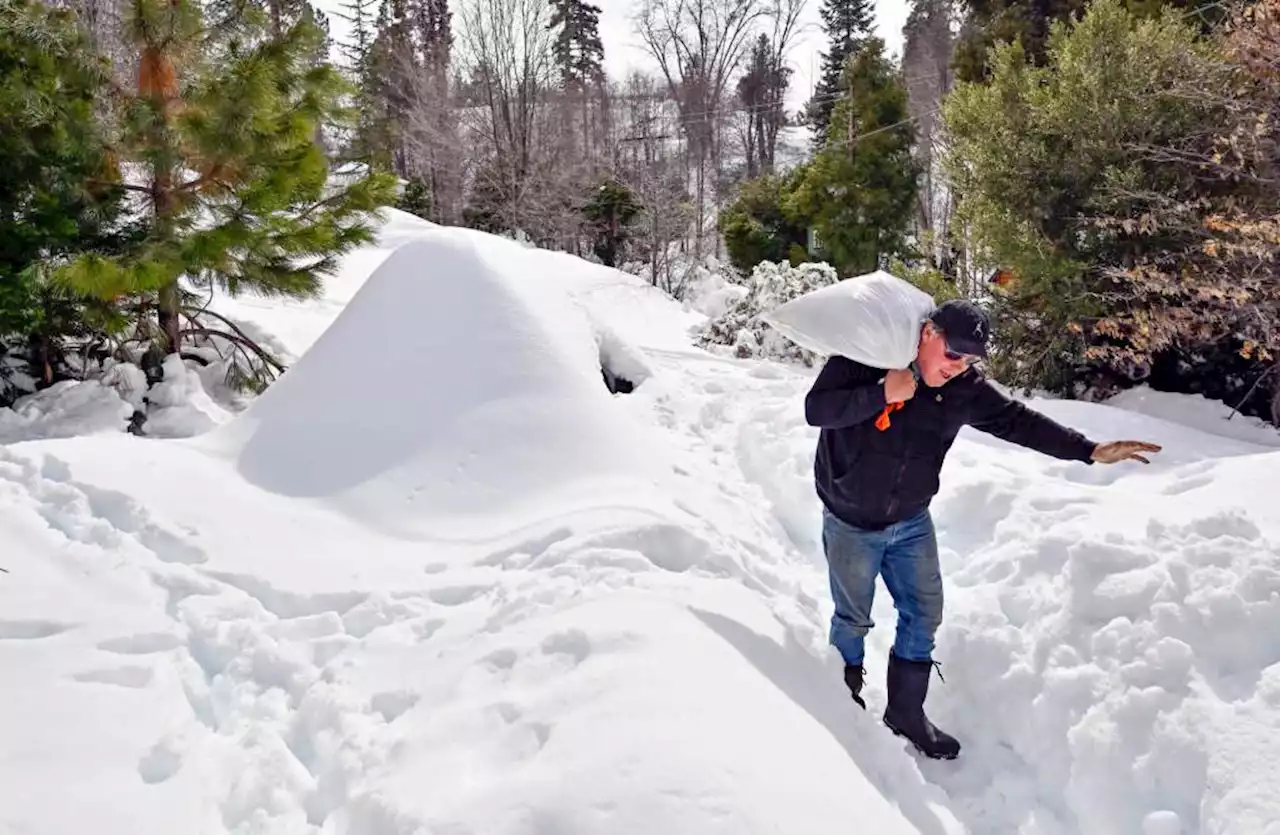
column 952, row 356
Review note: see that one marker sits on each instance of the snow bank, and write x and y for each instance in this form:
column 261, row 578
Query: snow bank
column 446, row 392
column 176, row 407
column 1197, row 412
column 65, row 410
column 439, row 579
column 1123, row 620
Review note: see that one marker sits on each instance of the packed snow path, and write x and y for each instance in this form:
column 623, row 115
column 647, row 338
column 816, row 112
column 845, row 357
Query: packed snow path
column 1109, row 637
column 199, row 653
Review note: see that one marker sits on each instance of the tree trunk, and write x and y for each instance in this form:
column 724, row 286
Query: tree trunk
column 170, row 307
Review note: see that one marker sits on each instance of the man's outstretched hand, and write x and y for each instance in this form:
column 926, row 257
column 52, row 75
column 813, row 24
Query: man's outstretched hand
column 1115, row 451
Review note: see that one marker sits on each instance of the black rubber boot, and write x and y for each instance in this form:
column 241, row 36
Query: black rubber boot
column 853, row 678
column 908, row 686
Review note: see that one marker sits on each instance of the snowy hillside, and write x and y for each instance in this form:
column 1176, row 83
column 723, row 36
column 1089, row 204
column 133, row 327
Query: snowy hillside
column 439, row 579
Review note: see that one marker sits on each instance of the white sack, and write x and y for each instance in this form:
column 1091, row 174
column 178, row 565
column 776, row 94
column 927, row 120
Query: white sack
column 873, row 319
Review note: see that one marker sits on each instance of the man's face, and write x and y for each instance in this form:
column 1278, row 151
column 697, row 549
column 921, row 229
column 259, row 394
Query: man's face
column 936, row 362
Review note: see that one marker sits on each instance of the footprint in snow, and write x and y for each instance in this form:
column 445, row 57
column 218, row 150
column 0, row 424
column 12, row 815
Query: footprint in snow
column 144, row 643
column 393, row 704
column 1186, row 485
column 573, row 643
column 31, row 630
column 502, row 659
column 513, row 716
column 456, row 595
column 162, row 762
column 133, row 677
column 530, row 548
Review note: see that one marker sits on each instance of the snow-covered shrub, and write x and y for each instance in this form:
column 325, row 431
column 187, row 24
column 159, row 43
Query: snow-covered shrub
column 771, row 284
column 706, row 285
column 712, row 288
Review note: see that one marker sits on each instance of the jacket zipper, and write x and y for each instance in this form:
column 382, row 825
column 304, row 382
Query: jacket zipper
column 897, row 480
column 893, row 491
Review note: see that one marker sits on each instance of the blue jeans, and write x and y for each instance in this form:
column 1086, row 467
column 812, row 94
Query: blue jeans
column 906, row 555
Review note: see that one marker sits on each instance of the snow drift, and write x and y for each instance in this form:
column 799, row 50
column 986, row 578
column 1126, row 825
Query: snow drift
column 447, row 390
column 440, row 580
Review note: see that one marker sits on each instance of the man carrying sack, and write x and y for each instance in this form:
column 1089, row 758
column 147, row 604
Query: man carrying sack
column 880, row 452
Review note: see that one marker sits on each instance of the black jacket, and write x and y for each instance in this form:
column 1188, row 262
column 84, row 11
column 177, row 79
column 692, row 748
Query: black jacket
column 872, row 478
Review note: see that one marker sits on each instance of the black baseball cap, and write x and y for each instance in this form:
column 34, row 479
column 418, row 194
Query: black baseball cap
column 964, row 326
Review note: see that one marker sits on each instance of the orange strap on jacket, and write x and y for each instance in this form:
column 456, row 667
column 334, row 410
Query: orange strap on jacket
column 882, row 422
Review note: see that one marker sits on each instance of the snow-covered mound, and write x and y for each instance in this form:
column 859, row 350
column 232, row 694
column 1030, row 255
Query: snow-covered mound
column 177, row 406
column 446, row 392
column 440, row 580
column 1198, row 412
column 289, row 327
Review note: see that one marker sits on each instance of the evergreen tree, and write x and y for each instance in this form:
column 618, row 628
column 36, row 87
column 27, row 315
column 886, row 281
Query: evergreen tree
column 762, row 92
column 416, row 198
column 393, row 61
column 360, row 14
column 435, row 35
column 55, row 198
column 756, row 228
column 237, row 193
column 579, row 52
column 610, row 214
column 990, row 22
column 1059, row 184
column 361, row 72
column 1028, row 22
column 859, row 192
column 284, row 14
column 847, row 24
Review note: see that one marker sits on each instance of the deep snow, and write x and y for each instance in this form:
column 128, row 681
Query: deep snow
column 439, row 580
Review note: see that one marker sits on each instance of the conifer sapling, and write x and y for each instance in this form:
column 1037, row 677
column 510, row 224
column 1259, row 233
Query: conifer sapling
column 219, row 140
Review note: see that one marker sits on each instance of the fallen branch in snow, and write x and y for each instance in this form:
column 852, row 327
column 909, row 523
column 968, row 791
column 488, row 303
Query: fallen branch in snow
column 244, row 344
column 1264, row 375
column 240, row 336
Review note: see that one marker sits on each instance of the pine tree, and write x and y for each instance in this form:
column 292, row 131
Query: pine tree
column 435, row 36
column 610, row 213
column 756, row 228
column 848, row 24
column 579, row 52
column 237, row 193
column 859, row 192
column 392, row 64
column 55, row 194
column 360, row 71
column 360, row 14
column 1029, row 22
column 762, row 91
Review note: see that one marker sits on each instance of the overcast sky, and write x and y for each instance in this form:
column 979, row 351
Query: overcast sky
column 622, row 50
